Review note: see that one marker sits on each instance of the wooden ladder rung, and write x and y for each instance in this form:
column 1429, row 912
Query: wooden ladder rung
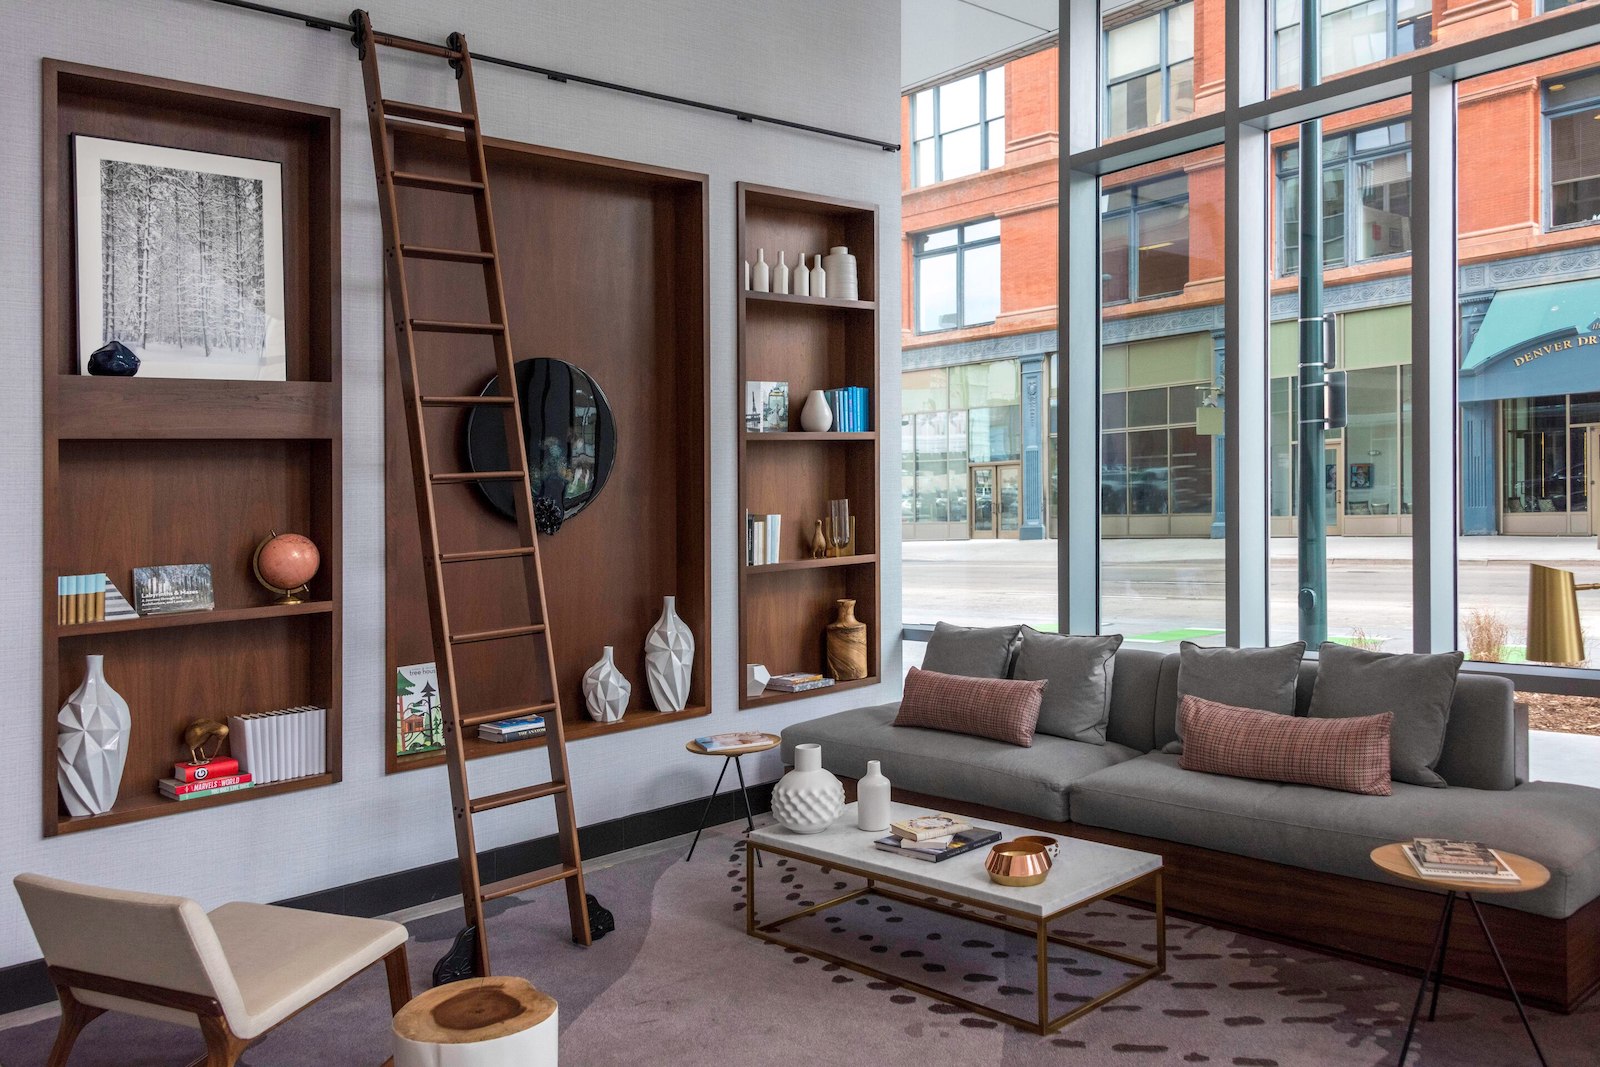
column 485, row 553
column 523, row 882
column 516, row 796
column 444, row 326
column 401, row 109
column 446, row 255
column 464, row 401
column 455, row 477
column 478, row 718
column 439, row 185
column 406, row 44
column 503, row 634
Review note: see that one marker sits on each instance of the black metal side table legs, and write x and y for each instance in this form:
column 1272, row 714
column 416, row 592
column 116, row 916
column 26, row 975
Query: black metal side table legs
column 749, row 816
column 1435, row 973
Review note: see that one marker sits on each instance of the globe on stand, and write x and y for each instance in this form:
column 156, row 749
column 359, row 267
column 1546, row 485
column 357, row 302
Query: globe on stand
column 285, row 564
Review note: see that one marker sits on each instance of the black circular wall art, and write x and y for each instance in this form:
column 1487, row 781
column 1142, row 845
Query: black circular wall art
column 570, row 435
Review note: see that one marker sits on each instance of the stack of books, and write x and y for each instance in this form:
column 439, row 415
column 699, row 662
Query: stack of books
column 276, row 746
column 192, row 781
column 90, row 598
column 935, row 837
column 1438, row 857
column 762, row 536
column 512, row 729
column 850, row 407
column 798, row 682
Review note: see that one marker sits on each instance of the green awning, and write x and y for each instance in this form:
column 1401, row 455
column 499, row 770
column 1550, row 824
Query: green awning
column 1523, row 321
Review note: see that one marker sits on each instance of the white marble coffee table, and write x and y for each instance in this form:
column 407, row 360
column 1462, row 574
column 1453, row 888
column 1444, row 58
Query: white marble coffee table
column 1085, row 872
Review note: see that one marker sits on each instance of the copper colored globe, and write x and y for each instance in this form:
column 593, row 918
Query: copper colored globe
column 287, row 561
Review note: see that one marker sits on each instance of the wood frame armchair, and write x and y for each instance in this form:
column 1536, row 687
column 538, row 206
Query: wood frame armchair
column 235, row 973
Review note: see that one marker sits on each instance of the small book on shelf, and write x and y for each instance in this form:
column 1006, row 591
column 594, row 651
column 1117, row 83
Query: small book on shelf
column 928, row 826
column 1437, row 857
column 173, row 789
column 939, row 849
column 512, row 729
column 217, row 767
column 798, row 682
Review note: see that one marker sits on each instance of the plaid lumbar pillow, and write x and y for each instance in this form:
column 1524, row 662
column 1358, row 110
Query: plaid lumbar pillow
column 1000, row 708
column 1349, row 754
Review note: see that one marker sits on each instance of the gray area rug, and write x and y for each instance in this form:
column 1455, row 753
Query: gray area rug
column 680, row 983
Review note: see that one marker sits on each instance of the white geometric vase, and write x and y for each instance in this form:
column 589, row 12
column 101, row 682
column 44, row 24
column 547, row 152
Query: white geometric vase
column 756, row 677
column 808, row 799
column 668, row 657
column 91, row 744
column 605, row 690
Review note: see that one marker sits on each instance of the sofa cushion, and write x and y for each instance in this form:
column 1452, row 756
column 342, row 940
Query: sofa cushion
column 1077, row 702
column 1260, row 678
column 1417, row 689
column 1347, row 754
column 1323, row 830
column 973, row 651
column 1029, row 781
column 999, row 708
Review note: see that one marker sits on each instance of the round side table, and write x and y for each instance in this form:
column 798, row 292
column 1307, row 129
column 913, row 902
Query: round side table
column 731, row 755
column 1531, row 875
column 479, row 1022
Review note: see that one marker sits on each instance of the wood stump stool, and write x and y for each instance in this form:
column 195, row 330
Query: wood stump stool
column 481, row 1022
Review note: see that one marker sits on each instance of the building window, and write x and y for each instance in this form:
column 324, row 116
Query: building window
column 1366, row 198
column 958, row 276
column 1149, row 67
column 1152, row 459
column 1354, row 34
column 959, row 128
column 1144, row 240
column 1572, row 121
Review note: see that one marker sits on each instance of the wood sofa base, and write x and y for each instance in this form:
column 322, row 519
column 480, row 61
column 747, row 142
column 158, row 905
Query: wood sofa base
column 1555, row 962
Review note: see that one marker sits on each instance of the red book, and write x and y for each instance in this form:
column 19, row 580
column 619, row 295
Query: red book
column 201, row 772
column 175, row 788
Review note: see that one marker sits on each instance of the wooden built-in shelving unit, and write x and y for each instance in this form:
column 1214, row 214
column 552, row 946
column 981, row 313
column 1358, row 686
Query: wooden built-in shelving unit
column 146, row 471
column 811, row 343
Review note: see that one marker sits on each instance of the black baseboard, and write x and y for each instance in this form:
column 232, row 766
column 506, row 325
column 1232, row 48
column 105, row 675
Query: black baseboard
column 25, row 985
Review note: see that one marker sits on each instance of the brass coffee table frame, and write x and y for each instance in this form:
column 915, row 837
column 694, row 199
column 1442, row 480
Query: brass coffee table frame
column 979, row 911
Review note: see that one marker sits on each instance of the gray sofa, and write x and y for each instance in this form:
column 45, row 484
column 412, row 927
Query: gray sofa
column 1127, row 791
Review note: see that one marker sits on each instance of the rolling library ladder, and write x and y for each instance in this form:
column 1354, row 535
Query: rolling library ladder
column 385, row 116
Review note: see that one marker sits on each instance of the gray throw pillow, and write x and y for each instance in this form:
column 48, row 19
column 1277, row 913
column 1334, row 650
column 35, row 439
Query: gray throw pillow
column 1261, row 679
column 1418, row 689
column 1077, row 702
column 971, row 651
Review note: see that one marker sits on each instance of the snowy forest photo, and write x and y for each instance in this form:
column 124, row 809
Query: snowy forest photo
column 184, row 267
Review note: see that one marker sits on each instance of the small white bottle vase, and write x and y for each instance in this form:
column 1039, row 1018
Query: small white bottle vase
column 668, row 658
column 808, row 799
column 92, row 744
column 802, row 278
column 605, row 690
column 780, row 274
column 819, row 278
column 761, row 281
column 747, row 274
column 872, row 799
column 842, row 273
column 816, row 416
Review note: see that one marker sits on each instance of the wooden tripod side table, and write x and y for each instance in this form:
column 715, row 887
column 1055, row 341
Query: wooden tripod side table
column 766, row 743
column 1532, row 875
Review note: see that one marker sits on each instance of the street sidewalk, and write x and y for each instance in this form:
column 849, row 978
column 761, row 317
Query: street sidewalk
column 1574, row 552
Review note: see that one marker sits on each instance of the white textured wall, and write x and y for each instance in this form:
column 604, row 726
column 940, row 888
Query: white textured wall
column 830, row 62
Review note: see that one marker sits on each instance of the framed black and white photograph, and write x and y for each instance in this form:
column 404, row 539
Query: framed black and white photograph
column 180, row 257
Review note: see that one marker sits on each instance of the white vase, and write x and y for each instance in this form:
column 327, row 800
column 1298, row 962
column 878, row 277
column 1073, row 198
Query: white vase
column 668, row 657
column 761, row 281
column 842, row 273
column 816, row 416
column 802, row 278
column 780, row 274
column 746, row 274
column 605, row 690
column 92, row 744
column 756, row 677
column 819, row 278
column 808, row 799
column 872, row 799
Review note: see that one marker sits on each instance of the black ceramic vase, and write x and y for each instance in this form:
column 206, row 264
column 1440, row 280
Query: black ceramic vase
column 113, row 360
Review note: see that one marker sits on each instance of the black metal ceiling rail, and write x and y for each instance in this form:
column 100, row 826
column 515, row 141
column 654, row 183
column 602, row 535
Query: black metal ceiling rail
column 319, row 23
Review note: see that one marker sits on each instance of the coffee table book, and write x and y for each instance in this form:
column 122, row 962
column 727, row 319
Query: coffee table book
column 1501, row 873
column 939, row 849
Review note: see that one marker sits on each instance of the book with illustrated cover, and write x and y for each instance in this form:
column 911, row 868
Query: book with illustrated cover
column 418, row 710
column 928, row 826
column 798, row 682
column 1473, row 869
column 938, row 849
column 172, row 589
column 732, row 742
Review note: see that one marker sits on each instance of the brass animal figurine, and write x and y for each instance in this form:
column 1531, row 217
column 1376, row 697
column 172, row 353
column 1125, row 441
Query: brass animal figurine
column 201, row 731
column 819, row 542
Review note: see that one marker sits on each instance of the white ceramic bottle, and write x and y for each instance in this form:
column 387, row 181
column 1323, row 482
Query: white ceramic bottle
column 761, row 282
column 819, row 278
column 802, row 278
column 872, row 799
column 746, row 274
column 780, row 274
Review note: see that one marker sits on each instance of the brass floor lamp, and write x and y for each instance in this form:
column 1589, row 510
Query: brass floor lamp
column 1555, row 633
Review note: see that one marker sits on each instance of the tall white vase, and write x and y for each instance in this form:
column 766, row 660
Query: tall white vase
column 816, row 416
column 842, row 273
column 92, row 744
column 780, row 274
column 605, row 690
column 872, row 799
column 802, row 278
column 808, row 799
column 760, row 282
column 668, row 657
column 819, row 278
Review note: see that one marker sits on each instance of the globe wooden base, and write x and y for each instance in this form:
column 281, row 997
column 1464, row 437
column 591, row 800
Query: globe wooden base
column 481, row 1022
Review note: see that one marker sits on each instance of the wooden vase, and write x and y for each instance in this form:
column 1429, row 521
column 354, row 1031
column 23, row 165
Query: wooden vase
column 847, row 644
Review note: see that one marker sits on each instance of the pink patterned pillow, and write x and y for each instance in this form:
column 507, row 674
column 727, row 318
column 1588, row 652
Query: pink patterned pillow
column 1348, row 754
column 1000, row 708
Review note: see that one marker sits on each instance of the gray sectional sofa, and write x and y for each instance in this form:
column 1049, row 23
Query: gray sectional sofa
column 1288, row 861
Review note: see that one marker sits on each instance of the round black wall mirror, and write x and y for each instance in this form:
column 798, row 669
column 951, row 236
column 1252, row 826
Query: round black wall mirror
column 569, row 431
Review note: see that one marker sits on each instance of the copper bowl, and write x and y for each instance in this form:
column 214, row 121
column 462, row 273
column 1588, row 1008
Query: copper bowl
column 1051, row 845
column 1017, row 863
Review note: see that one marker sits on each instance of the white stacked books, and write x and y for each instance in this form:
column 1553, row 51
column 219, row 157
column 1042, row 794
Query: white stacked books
column 276, row 746
column 763, row 534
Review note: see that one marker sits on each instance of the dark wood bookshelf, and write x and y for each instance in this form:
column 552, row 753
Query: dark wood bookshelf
column 811, row 343
column 218, row 617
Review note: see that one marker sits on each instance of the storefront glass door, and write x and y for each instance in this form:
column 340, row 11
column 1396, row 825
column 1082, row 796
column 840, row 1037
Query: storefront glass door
column 1333, row 485
column 995, row 490
column 980, row 488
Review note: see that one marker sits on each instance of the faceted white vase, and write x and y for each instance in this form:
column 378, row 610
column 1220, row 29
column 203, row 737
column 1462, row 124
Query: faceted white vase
column 605, row 690
column 872, row 799
column 91, row 744
column 668, row 656
column 816, row 416
column 756, row 677
column 808, row 799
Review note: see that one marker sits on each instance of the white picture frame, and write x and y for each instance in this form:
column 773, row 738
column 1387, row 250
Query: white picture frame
column 180, row 257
